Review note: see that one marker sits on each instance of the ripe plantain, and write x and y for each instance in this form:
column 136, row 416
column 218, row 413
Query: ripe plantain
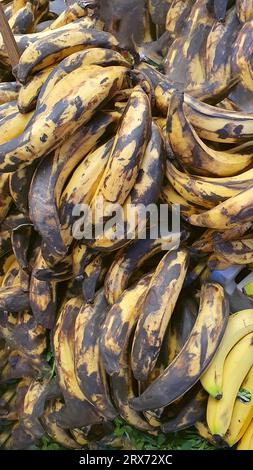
column 235, row 251
column 126, row 262
column 242, row 50
column 22, row 21
column 192, row 153
column 6, row 200
column 28, row 94
column 19, row 184
column 170, row 197
column 49, row 422
column 60, row 45
column 47, row 130
column 239, row 325
column 127, row 152
column 94, row 274
column 8, row 92
column 156, row 311
column 119, row 324
column 205, row 191
column 236, row 366
column 13, row 125
column 8, row 108
column 244, row 10
column 235, row 210
column 181, row 374
column 89, row 368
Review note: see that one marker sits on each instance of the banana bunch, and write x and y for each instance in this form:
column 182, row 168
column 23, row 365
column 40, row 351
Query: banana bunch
column 228, row 380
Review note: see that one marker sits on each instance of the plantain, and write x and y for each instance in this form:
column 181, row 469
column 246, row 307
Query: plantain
column 5, row 201
column 126, row 262
column 127, row 152
column 89, row 368
column 8, row 108
column 20, row 239
column 181, row 374
column 8, row 92
column 145, row 191
column 13, row 125
column 177, row 16
column 206, row 191
column 119, row 324
column 189, row 410
column 192, row 152
column 170, row 197
column 156, row 311
column 70, row 14
column 59, row 45
column 219, row 8
column 44, row 199
column 235, row 251
column 242, row 50
column 76, row 110
column 93, row 56
column 77, row 409
column 49, row 422
column 227, row 214
column 22, row 21
column 28, row 94
column 81, row 257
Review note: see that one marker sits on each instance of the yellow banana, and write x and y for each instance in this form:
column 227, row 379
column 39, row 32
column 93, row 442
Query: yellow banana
column 246, row 443
column 236, row 366
column 239, row 325
column 29, row 92
column 13, row 125
column 242, row 411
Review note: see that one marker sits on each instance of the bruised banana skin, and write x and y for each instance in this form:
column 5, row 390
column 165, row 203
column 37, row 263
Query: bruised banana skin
column 82, row 186
column 189, row 413
column 59, row 272
column 82, row 255
column 38, row 56
column 119, row 323
column 182, row 373
column 205, row 243
column 6, row 200
column 242, row 51
column 122, row 389
column 127, row 152
column 124, row 265
column 13, row 299
column 177, row 15
column 45, row 198
column 72, row 13
column 236, row 367
column 29, row 92
column 206, row 191
column 156, row 311
column 60, row 117
column 14, row 125
column 94, row 56
column 192, row 152
column 49, row 422
column 145, row 191
column 19, row 184
column 239, row 325
column 219, row 8
column 20, row 240
column 244, row 10
column 227, row 214
column 88, row 365
column 8, row 92
column 75, row 401
column 235, row 251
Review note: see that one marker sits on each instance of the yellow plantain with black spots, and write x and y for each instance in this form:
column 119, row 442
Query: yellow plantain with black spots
column 8, row 92
column 206, row 191
column 13, row 126
column 72, row 104
column 44, row 199
column 244, row 10
column 60, row 44
column 89, row 368
column 94, row 273
column 56, row 432
column 5, row 200
column 126, row 262
column 235, row 251
column 76, row 408
column 192, row 153
column 156, row 310
column 170, row 197
column 119, row 324
column 23, row 21
column 127, row 152
column 28, row 93
column 227, row 214
column 146, row 191
column 242, row 51
column 188, row 366
column 8, row 108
